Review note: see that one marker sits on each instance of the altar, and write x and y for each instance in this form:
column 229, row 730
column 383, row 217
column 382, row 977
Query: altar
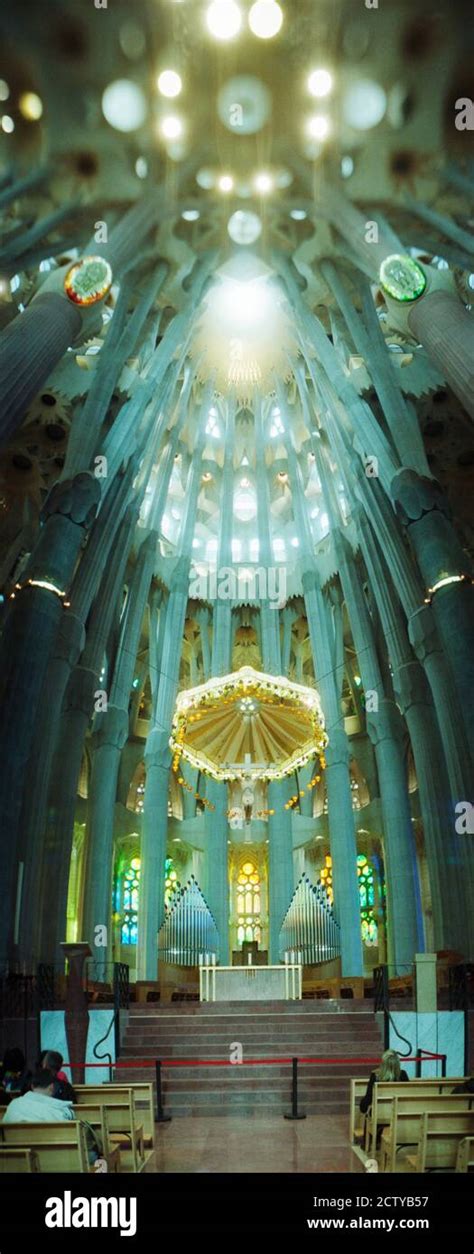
column 273, row 983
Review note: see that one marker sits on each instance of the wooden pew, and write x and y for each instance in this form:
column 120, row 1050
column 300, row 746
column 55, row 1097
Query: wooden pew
column 124, row 1128
column 384, row 1093
column 465, row 1154
column 18, row 1160
column 441, row 1136
column 356, row 1118
column 58, row 1146
column 360, row 1125
column 404, row 1127
column 95, row 1114
column 142, row 1097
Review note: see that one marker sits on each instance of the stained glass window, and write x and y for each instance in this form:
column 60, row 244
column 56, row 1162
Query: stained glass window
column 130, row 892
column 368, row 922
column 248, row 904
column 172, row 883
column 365, row 872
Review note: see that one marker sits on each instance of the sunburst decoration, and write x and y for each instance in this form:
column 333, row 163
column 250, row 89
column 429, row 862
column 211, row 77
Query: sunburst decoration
column 248, row 726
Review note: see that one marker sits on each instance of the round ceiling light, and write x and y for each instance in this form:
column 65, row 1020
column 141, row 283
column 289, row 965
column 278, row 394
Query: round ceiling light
column 224, row 19
column 225, row 183
column 264, row 183
column 265, row 19
column 364, row 105
column 244, row 105
column 124, row 105
column 320, row 83
column 169, row 83
column 206, row 179
column 244, row 227
column 30, row 106
column 318, row 127
column 171, row 128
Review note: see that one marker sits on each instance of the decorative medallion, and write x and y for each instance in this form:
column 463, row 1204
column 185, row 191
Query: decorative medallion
column 88, row 280
column 402, row 278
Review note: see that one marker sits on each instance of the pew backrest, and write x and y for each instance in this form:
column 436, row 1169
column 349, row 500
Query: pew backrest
column 406, row 1113
column 14, row 1159
column 142, row 1097
column 440, row 1138
column 59, row 1146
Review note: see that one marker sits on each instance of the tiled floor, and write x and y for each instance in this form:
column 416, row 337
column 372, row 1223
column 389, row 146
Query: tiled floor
column 232, row 1143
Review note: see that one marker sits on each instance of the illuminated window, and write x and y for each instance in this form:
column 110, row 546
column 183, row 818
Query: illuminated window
column 365, row 872
column 129, row 911
column 172, row 883
column 248, row 904
column 326, row 877
column 369, row 927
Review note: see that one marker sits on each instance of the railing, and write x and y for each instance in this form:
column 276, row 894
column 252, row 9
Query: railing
column 310, row 932
column 189, row 936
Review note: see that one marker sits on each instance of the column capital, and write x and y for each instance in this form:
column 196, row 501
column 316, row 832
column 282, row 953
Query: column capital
column 110, row 728
column 157, row 749
column 337, row 751
column 76, row 499
column 386, row 723
column 415, row 495
column 80, row 690
column 71, row 639
column 423, row 634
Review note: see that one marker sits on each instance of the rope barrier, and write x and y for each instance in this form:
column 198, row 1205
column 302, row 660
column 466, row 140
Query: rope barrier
column 246, row 1062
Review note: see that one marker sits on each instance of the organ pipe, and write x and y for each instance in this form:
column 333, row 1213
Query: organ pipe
column 189, row 930
column 309, row 927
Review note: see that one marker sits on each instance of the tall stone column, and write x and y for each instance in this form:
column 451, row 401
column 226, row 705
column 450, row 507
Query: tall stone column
column 449, row 862
column 157, row 752
column 385, row 728
column 325, row 630
column 37, row 338
column 77, row 710
column 280, row 829
column 369, row 342
column 30, row 346
column 340, row 813
column 438, row 319
column 28, row 639
column 446, row 329
column 422, row 631
column 447, row 575
column 157, row 763
column 109, row 737
column 65, row 655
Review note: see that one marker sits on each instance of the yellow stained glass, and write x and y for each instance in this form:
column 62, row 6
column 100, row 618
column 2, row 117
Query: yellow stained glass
column 248, row 868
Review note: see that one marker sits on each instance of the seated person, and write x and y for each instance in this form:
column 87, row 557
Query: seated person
column 389, row 1069
column 39, row 1105
column 53, row 1061
column 467, row 1086
column 14, row 1076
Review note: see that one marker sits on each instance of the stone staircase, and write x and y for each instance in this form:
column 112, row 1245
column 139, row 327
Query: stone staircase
column 208, row 1031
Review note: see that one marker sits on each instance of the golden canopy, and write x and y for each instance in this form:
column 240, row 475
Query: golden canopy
column 248, row 726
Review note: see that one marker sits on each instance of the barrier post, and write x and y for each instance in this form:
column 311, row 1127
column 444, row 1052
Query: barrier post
column 294, row 1092
column 444, row 1058
column 160, row 1117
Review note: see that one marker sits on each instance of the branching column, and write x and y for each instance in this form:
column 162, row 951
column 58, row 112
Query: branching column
column 30, row 631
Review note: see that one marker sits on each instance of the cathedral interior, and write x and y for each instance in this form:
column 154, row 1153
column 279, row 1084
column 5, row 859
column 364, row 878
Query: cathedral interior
column 236, row 480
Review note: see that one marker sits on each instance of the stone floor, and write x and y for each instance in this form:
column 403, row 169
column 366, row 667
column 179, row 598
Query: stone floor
column 237, row 1144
